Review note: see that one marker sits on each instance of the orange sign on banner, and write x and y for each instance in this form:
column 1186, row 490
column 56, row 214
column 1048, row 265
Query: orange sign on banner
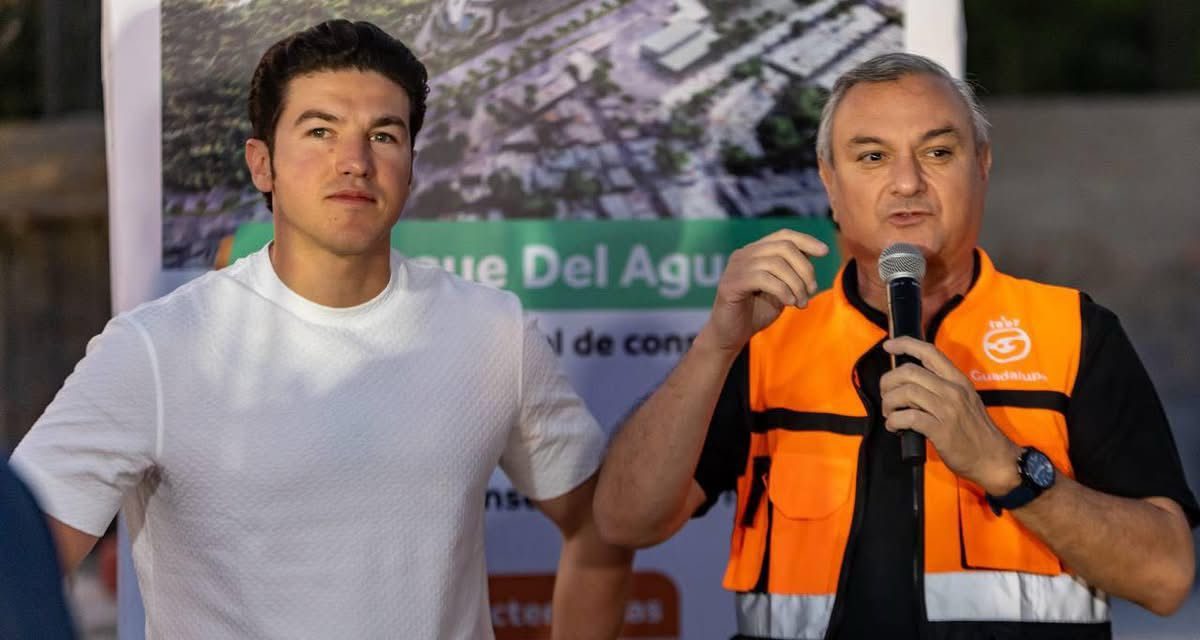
column 521, row 607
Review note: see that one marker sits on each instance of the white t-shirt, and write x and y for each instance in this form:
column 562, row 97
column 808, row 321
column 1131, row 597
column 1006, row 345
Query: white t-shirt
column 296, row 471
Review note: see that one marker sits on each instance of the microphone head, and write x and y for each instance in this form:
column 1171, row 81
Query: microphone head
column 901, row 260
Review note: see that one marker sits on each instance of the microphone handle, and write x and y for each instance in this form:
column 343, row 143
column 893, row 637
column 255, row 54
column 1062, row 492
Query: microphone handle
column 912, row 447
column 904, row 306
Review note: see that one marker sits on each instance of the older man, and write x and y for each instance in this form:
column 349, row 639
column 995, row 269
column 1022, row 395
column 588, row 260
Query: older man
column 1052, row 477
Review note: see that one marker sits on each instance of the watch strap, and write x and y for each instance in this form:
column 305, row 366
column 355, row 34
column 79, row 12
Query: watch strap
column 1015, row 499
column 1024, row 493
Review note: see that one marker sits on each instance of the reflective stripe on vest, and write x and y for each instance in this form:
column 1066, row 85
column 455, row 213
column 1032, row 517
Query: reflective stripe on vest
column 790, row 617
column 1019, row 342
column 1013, row 596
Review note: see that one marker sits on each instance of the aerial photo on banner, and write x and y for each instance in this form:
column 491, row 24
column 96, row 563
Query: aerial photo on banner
column 540, row 109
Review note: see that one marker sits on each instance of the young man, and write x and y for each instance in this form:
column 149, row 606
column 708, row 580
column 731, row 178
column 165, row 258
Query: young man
column 1051, row 478
column 302, row 441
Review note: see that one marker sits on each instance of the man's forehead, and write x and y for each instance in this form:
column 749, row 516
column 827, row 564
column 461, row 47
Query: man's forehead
column 921, row 104
column 343, row 90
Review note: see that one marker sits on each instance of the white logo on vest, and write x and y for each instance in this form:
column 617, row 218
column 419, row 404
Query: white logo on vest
column 1006, row 341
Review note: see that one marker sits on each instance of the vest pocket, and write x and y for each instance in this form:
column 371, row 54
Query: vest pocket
column 999, row 542
column 811, row 488
column 808, row 487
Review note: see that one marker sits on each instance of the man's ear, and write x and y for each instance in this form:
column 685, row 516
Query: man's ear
column 258, row 161
column 985, row 160
column 826, row 174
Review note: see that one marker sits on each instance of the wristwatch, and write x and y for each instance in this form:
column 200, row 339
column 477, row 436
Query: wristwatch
column 1037, row 475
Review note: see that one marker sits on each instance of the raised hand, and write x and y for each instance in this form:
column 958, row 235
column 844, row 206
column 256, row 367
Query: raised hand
column 760, row 280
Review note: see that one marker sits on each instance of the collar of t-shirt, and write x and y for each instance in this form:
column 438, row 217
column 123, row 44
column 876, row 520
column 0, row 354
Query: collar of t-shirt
column 268, row 283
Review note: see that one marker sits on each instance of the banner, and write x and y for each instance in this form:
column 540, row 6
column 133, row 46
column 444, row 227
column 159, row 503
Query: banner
column 600, row 159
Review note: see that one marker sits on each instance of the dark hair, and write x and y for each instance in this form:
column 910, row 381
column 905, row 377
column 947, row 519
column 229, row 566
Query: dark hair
column 332, row 46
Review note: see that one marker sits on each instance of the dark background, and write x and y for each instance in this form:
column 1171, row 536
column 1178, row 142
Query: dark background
column 50, row 62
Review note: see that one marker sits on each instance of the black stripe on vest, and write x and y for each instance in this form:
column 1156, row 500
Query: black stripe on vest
column 789, row 420
column 1050, row 400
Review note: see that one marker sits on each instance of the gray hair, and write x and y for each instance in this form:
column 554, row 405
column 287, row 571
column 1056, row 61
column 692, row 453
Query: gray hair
column 890, row 67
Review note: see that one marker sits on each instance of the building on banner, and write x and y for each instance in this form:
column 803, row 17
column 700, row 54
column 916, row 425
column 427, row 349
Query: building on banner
column 601, row 159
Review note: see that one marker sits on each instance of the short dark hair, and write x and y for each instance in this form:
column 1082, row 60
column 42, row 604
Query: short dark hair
column 332, row 46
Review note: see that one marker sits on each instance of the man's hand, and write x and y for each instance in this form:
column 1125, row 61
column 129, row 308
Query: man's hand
column 760, row 280
column 940, row 402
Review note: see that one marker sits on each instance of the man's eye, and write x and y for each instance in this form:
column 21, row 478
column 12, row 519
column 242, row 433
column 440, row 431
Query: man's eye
column 319, row 132
column 382, row 137
column 940, row 153
column 871, row 156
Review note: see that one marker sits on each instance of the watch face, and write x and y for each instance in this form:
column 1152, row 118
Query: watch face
column 1039, row 469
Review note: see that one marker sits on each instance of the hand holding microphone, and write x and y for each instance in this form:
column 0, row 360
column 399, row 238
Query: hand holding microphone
column 902, row 268
column 937, row 400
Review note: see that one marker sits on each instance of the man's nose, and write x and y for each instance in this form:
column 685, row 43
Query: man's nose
column 354, row 157
column 908, row 178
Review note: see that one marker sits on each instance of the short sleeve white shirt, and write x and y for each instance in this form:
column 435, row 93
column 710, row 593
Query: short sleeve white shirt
column 290, row 470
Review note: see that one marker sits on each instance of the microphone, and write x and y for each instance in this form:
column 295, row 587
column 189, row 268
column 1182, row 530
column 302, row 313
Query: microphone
column 902, row 267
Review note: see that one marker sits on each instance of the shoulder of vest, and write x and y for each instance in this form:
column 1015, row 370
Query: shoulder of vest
column 1015, row 334
column 1005, row 280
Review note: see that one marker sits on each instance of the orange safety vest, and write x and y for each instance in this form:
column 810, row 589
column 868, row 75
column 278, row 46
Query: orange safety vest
column 1019, row 342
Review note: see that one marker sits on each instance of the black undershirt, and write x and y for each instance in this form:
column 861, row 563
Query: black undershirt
column 880, row 596
column 1120, row 443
